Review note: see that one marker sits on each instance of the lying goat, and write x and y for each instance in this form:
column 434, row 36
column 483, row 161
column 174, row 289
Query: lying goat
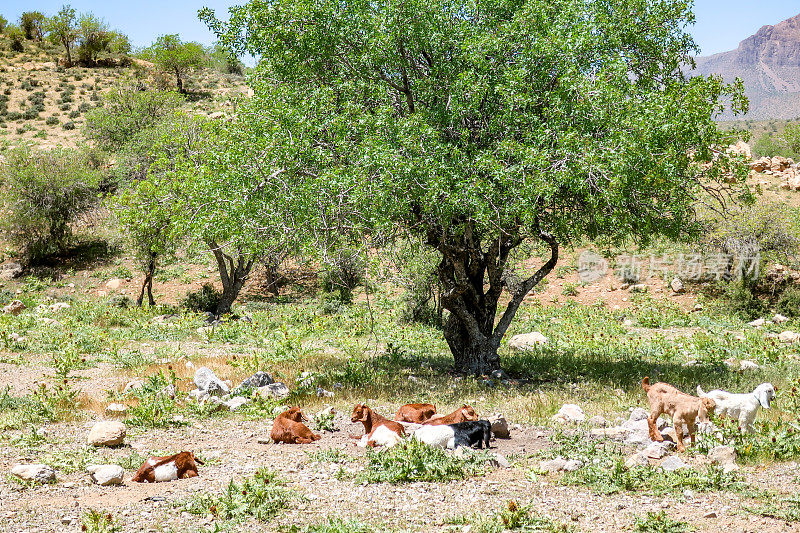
column 741, row 407
column 685, row 410
column 372, row 423
column 471, row 434
column 462, row 414
column 415, row 413
column 289, row 428
column 179, row 466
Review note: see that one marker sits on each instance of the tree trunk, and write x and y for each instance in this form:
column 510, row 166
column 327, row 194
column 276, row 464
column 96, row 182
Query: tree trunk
column 69, row 55
column 148, row 283
column 179, row 81
column 233, row 273
column 472, row 331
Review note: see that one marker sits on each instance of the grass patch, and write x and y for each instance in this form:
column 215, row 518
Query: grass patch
column 787, row 509
column 513, row 518
column 93, row 521
column 260, row 497
column 659, row 523
column 335, row 525
column 413, row 461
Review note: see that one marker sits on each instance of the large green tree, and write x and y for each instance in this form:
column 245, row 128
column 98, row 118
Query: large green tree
column 62, row 28
column 480, row 125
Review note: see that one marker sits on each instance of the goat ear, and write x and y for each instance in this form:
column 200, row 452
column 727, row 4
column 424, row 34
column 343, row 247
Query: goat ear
column 763, row 398
column 700, row 392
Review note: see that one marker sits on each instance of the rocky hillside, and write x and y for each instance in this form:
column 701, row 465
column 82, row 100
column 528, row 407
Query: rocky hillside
column 769, row 64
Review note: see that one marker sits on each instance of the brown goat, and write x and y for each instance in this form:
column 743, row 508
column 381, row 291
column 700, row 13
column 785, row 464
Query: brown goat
column 415, row 413
column 684, row 409
column 463, row 414
column 372, row 421
column 289, row 428
column 182, row 465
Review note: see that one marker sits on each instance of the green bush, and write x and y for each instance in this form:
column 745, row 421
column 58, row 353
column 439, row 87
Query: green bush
column 260, row 497
column 344, row 271
column 51, row 121
column 203, row 301
column 69, row 125
column 789, row 302
column 659, row 523
column 3, row 23
column 16, row 39
column 413, row 461
column 45, row 192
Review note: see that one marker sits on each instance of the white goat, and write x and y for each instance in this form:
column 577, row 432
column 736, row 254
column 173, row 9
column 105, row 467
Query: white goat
column 381, row 436
column 741, row 407
column 436, row 436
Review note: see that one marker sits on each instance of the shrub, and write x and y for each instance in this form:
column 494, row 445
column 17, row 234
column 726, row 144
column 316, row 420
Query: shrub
column 344, row 271
column 16, row 39
column 203, row 301
column 659, row 523
column 789, row 302
column 96, row 522
column 69, row 125
column 31, row 23
column 45, row 192
column 156, row 406
column 413, row 461
column 260, row 497
column 51, row 121
column 3, row 23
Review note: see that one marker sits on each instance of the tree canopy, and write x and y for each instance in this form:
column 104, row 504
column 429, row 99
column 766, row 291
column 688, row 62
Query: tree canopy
column 477, row 126
column 173, row 56
column 62, row 28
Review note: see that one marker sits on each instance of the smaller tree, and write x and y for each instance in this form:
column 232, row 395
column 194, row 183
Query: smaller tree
column 94, row 38
column 32, row 24
column 3, row 23
column 61, row 28
column 44, row 192
column 791, row 138
column 16, row 38
column 225, row 61
column 172, row 56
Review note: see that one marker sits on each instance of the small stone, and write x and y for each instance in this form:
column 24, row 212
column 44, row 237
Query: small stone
column 757, row 323
column 105, row 475
column 499, row 426
column 722, row 455
column 627, row 322
column 107, row 433
column 34, row 472
column 499, row 460
column 14, row 308
column 59, row 306
column 116, row 410
column 637, row 459
column 569, row 412
column 673, row 463
column 275, row 390
column 132, row 385
column 780, row 319
column 748, row 365
column 789, row 337
column 639, row 287
column 259, row 379
column 697, row 307
column 322, row 393
column 9, row 271
column 207, row 381
column 527, row 341
column 598, row 421
column 712, row 514
column 657, row 450
column 677, row 285
column 235, row 403
column 572, row 465
column 114, row 284
column 553, row 465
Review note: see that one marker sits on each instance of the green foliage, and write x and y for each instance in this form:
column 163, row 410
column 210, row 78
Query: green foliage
column 513, row 518
column 260, row 497
column 32, row 25
column 324, row 421
column 413, row 461
column 94, row 37
column 659, row 522
column 16, row 38
column 174, row 57
column 156, row 405
column 789, row 302
column 3, row 23
column 93, row 521
column 478, row 127
column 769, row 146
column 225, row 61
column 127, row 110
column 62, row 28
column 334, row 525
column 791, row 138
column 205, row 300
column 329, row 455
column 783, row 508
column 344, row 271
column 44, row 193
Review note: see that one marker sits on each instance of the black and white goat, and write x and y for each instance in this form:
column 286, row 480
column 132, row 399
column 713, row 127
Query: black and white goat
column 474, row 434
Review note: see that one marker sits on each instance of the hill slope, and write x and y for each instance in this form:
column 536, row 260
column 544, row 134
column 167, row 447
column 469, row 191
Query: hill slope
column 769, row 64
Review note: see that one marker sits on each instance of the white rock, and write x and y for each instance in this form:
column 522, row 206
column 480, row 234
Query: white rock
column 527, row 341
column 553, row 465
column 757, row 323
column 598, row 421
column 637, row 459
column 572, row 465
column 207, row 381
column 638, row 414
column 107, row 433
column 627, row 322
column 676, row 285
column 639, row 287
column 499, row 460
column 657, row 450
column 114, row 284
column 724, row 456
column 9, row 271
column 275, row 390
column 569, row 412
column 748, row 365
column 59, row 306
column 132, row 385
column 780, row 319
column 673, row 463
column 34, row 472
column 105, row 475
column 235, row 403
column 789, row 337
column 116, row 410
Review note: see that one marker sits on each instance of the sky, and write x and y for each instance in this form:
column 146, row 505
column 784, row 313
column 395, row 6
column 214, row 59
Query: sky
column 720, row 25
